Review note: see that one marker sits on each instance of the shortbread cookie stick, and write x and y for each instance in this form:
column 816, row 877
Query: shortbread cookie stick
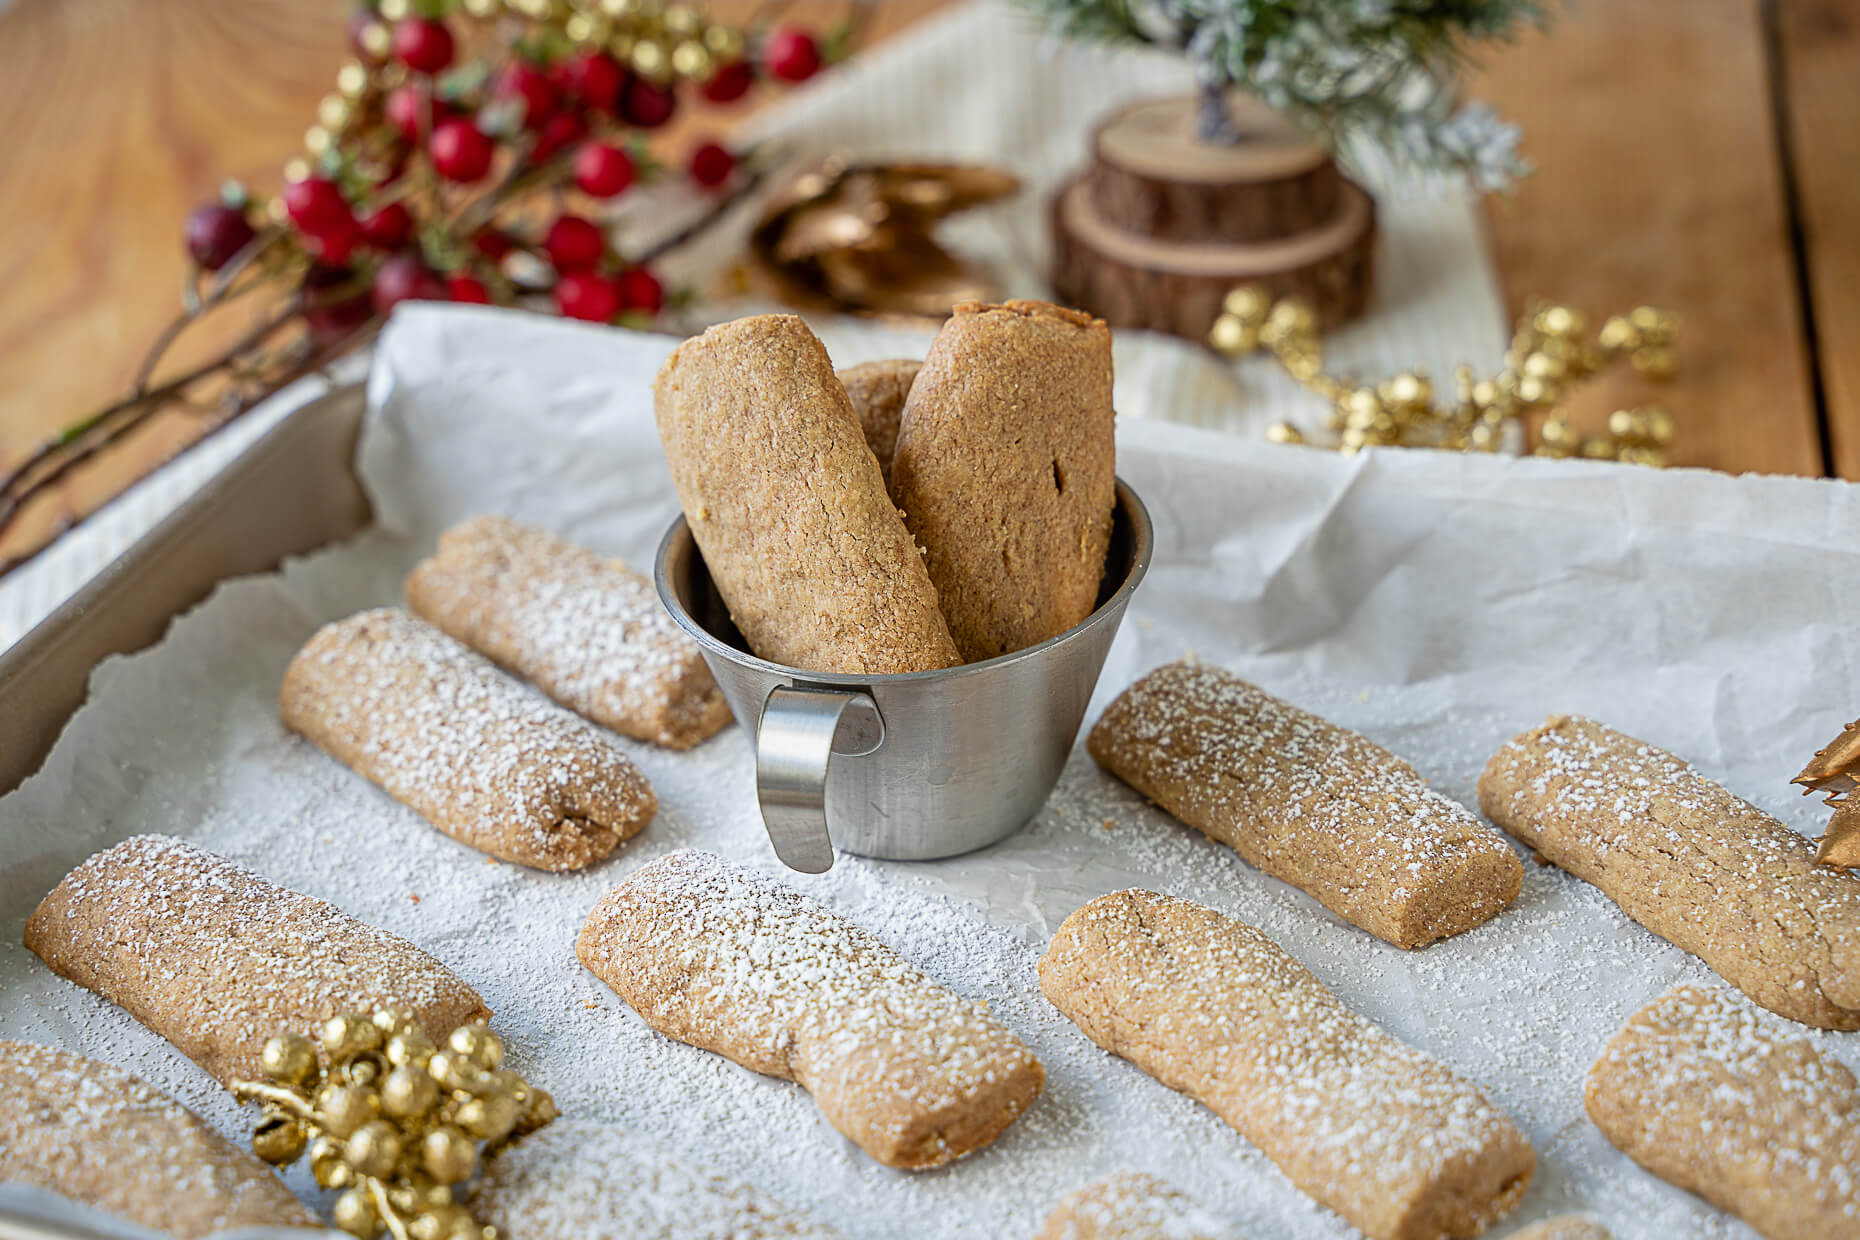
column 724, row 959
column 1686, row 858
column 586, row 630
column 788, row 506
column 92, row 1132
column 582, row 1181
column 1130, row 1205
column 1006, row 471
column 1563, row 1227
column 877, row 391
column 478, row 755
column 1386, row 1136
column 1711, row 1095
column 216, row 959
column 1316, row 805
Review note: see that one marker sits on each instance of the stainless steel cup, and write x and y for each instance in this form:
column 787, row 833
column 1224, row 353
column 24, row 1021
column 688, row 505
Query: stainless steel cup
column 912, row 766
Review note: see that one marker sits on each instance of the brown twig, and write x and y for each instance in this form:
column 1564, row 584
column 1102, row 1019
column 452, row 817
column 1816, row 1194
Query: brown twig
column 703, row 223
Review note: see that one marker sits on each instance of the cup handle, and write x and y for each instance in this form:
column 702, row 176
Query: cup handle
column 796, row 738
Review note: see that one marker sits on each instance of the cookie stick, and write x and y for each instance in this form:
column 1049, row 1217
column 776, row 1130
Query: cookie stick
column 1711, row 1095
column 1562, row 1227
column 1130, row 1205
column 1378, row 1131
column 1686, row 858
column 788, row 506
column 724, row 959
column 585, row 629
column 217, row 959
column 877, row 391
column 481, row 757
column 1314, row 804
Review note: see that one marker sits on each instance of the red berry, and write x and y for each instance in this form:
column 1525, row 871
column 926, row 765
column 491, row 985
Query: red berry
column 332, row 321
column 559, row 132
column 334, row 246
column 791, row 55
column 493, row 244
column 641, row 290
column 574, row 243
column 215, row 233
column 523, row 81
column 603, row 171
column 404, row 277
column 587, row 295
column 316, row 206
column 423, row 45
column 646, row 105
column 711, row 165
column 468, row 289
column 388, row 228
column 461, row 151
column 730, row 82
column 595, row 78
column 413, row 111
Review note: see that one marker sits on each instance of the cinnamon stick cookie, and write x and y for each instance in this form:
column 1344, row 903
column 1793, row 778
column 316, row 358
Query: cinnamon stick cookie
column 581, row 1181
column 1686, row 858
column 1563, row 1227
column 788, row 506
column 1386, row 1136
column 877, row 391
column 724, row 959
column 216, row 959
column 481, row 757
column 1326, row 810
column 1130, row 1205
column 92, row 1132
column 1709, row 1094
column 586, row 630
column 1006, row 471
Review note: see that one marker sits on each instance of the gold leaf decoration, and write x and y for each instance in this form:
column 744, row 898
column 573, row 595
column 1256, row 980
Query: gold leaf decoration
column 1835, row 770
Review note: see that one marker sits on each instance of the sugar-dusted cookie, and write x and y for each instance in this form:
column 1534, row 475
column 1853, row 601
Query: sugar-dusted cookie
column 216, row 959
column 1383, row 1134
column 1006, row 471
column 580, row 1181
column 1688, row 859
column 1131, row 1205
column 485, row 759
column 586, row 630
column 788, row 506
column 722, row 958
column 1326, row 810
column 1562, row 1227
column 877, row 391
column 1709, row 1094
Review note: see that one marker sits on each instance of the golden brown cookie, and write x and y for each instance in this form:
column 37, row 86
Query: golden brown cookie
column 483, row 758
column 1702, row 868
column 216, row 959
column 788, row 506
column 1130, row 1205
column 586, row 630
column 1383, row 1134
column 1709, row 1094
column 1326, row 810
column 877, row 391
column 722, row 958
column 1006, row 471
column 1563, row 1227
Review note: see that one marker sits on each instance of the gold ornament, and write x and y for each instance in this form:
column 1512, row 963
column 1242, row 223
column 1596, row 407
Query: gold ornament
column 395, row 10
column 649, row 60
column 352, row 80
column 723, row 42
column 691, row 60
column 1835, row 770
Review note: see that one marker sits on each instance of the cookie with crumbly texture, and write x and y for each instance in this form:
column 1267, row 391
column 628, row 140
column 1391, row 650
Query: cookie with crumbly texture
column 1309, row 802
column 1690, row 860
column 1711, row 1095
column 877, row 391
column 217, row 959
column 724, row 959
column 1563, row 1227
column 485, row 759
column 1132, row 1205
column 1386, row 1136
column 585, row 629
column 787, row 504
column 579, row 1181
column 1006, row 471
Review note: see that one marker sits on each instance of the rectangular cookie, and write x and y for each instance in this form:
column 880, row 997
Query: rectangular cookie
column 441, row 730
column 1316, row 805
column 1130, row 1205
column 1381, row 1133
column 1711, row 1095
column 1685, row 857
column 1006, row 471
column 585, row 629
column 788, row 506
column 877, row 391
column 217, row 959
column 724, row 959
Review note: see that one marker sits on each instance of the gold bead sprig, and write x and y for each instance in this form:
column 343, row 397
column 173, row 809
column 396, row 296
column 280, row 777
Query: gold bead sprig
column 1551, row 354
column 393, row 1121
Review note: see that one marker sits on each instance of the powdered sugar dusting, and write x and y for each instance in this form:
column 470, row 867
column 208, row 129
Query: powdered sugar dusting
column 1132, row 1205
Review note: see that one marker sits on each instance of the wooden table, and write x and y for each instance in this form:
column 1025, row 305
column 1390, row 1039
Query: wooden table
column 1699, row 154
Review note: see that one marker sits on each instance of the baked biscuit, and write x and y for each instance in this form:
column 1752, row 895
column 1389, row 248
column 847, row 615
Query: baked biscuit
column 1711, row 1095
column 441, row 730
column 1326, row 810
column 1006, row 471
column 216, row 959
column 877, row 391
column 788, row 506
column 727, row 960
column 1383, row 1134
column 1686, row 858
column 1129, row 1205
column 1563, row 1227
column 586, row 630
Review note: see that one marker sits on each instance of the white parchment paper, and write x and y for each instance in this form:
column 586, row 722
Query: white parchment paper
column 1438, row 603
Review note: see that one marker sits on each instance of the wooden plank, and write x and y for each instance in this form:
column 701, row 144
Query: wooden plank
column 1658, row 181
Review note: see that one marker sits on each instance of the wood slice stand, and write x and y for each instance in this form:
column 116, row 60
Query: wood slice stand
column 1161, row 226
